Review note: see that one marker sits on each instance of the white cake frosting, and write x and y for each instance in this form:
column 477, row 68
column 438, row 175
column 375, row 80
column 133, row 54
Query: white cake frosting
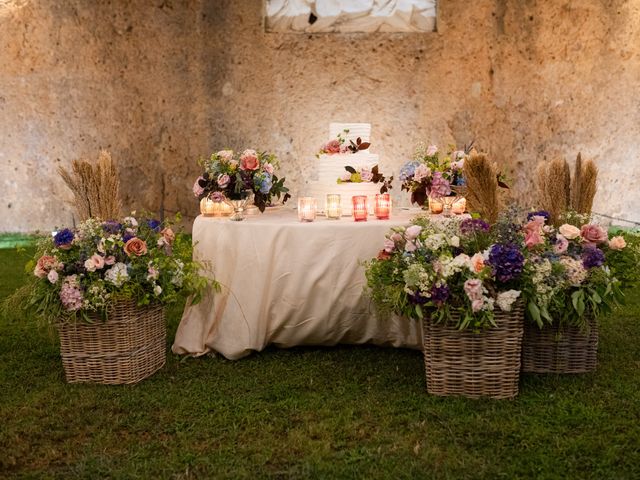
column 330, row 167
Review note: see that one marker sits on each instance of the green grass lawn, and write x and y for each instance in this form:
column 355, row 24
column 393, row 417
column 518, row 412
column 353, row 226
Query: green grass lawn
column 345, row 412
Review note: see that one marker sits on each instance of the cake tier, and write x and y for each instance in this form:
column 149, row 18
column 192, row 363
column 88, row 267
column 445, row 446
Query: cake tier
column 331, row 167
column 346, row 190
column 362, row 130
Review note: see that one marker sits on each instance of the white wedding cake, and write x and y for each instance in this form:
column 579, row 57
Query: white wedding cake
column 331, row 167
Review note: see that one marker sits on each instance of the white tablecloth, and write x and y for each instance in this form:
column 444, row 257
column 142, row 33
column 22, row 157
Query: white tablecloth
column 288, row 283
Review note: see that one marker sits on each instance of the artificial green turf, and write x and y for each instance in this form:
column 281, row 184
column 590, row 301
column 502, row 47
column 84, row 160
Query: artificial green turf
column 345, row 412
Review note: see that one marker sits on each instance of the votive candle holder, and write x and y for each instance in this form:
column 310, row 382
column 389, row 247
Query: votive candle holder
column 360, row 208
column 307, row 208
column 382, row 206
column 333, row 209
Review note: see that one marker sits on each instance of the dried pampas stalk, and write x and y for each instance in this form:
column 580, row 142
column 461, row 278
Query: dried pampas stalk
column 96, row 188
column 554, row 188
column 576, row 183
column 482, row 186
column 587, row 190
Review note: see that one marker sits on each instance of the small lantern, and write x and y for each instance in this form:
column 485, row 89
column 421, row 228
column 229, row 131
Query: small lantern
column 307, row 207
column 383, row 206
column 360, row 208
column 333, row 208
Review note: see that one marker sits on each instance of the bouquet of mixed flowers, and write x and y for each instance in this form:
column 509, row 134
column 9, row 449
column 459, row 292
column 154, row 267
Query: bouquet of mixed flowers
column 454, row 269
column 229, row 177
column 431, row 174
column 576, row 270
column 81, row 271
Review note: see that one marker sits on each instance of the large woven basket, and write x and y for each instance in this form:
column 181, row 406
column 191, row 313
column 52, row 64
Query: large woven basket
column 126, row 348
column 560, row 348
column 485, row 364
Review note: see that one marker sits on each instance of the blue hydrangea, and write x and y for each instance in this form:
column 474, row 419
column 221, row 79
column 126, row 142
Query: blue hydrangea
column 592, row 257
column 63, row 237
column 266, row 184
column 407, row 171
column 507, row 261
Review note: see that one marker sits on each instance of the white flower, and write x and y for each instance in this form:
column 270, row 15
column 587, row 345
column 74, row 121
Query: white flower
column 569, row 231
column 117, row 275
column 130, row 221
column 157, row 290
column 435, row 241
column 89, row 265
column 505, row 299
column 454, row 241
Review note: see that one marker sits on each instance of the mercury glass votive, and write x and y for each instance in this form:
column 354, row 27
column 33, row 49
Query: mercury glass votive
column 383, row 206
column 360, row 208
column 332, row 207
column 307, row 207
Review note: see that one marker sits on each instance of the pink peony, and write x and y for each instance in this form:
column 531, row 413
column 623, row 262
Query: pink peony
column 223, row 180
column 617, row 243
column 249, row 160
column 412, row 232
column 389, row 245
column 94, row 263
column 45, row 264
column 332, row 147
column 52, row 276
column 432, row 150
column 421, row 172
column 110, row 260
column 197, row 189
column 561, row 244
column 477, row 262
column 225, row 155
column 593, row 234
column 533, row 231
column 268, row 168
column 569, row 231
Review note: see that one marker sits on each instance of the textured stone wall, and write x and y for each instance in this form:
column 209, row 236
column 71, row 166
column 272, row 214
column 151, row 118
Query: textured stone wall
column 160, row 83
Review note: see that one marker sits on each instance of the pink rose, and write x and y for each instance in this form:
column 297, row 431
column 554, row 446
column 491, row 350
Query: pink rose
column 225, row 155
column 52, row 276
column 249, row 160
column 410, row 246
column 617, row 243
column 593, row 234
column 421, row 172
column 389, row 245
column 110, row 260
column 135, row 246
column 396, row 237
column 97, row 260
column 268, row 168
column 477, row 262
column 217, row 196
column 45, row 264
column 432, row 150
column 332, row 147
column 532, row 238
column 477, row 304
column 561, row 244
column 223, row 180
column 569, row 231
column 473, row 289
column 197, row 189
column 412, row 232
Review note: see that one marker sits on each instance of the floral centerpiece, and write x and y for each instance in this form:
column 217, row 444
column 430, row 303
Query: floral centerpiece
column 230, row 176
column 366, row 175
column 432, row 173
column 78, row 273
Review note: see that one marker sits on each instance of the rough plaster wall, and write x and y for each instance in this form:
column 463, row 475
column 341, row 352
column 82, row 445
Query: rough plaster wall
column 161, row 83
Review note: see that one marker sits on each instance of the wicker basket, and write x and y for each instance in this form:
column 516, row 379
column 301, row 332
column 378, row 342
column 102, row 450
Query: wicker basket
column 560, row 349
column 126, row 348
column 486, row 364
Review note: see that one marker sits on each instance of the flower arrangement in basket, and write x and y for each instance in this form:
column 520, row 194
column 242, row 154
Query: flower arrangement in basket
column 105, row 284
column 463, row 280
column 576, row 273
column 228, row 176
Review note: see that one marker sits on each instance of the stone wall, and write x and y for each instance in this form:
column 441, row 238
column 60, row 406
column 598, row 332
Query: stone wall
column 160, row 83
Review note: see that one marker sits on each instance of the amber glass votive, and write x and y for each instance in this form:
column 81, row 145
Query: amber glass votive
column 307, row 207
column 383, row 206
column 360, row 208
column 332, row 207
column 211, row 208
column 435, row 205
column 459, row 206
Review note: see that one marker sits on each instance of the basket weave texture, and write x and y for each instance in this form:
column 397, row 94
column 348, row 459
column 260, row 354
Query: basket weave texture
column 485, row 364
column 560, row 348
column 126, row 348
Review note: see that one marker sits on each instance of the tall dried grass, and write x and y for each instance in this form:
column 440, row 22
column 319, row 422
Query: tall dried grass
column 482, row 186
column 584, row 185
column 96, row 188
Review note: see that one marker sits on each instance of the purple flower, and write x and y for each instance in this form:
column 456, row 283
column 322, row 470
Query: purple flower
column 154, row 224
column 217, row 196
column 473, row 225
column 440, row 294
column 63, row 238
column 408, row 170
column 127, row 236
column 440, row 186
column 541, row 213
column 592, row 257
column 507, row 261
column 418, row 299
column 111, row 226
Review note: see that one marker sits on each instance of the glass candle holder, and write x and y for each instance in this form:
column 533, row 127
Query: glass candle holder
column 435, row 205
column 360, row 208
column 211, row 208
column 332, row 208
column 383, row 206
column 307, row 207
column 459, row 207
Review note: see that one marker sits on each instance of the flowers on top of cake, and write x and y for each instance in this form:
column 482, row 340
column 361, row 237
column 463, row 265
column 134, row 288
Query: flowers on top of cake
column 339, row 145
column 366, row 175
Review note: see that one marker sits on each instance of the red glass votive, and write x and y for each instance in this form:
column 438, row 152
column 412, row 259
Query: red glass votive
column 383, row 206
column 360, row 208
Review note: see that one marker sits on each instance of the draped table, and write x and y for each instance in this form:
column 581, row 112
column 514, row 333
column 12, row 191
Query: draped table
column 288, row 283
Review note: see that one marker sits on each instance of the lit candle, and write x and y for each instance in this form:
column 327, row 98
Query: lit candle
column 307, row 207
column 210, row 208
column 360, row 208
column 332, row 208
column 460, row 206
column 435, row 206
column 383, row 206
